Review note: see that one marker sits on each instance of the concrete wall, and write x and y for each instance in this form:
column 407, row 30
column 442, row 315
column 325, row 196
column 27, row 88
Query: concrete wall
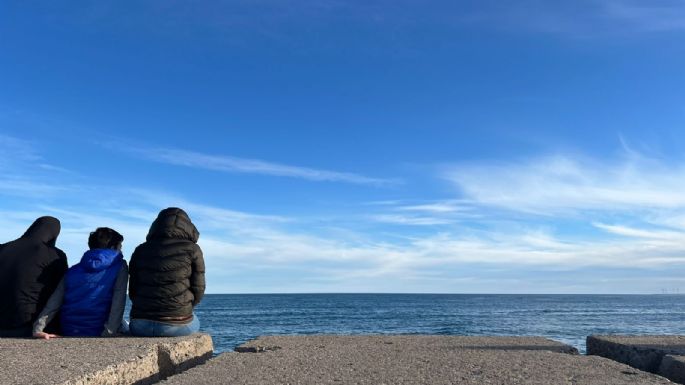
column 663, row 355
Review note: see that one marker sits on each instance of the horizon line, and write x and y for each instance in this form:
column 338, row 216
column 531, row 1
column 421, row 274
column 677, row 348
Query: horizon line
column 392, row 293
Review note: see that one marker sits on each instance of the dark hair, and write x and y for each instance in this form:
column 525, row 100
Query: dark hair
column 104, row 238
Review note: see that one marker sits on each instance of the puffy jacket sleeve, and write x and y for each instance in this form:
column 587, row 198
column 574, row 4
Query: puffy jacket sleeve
column 116, row 309
column 133, row 274
column 197, row 276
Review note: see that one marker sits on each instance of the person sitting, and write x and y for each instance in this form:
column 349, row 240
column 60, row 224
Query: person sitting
column 30, row 270
column 92, row 295
column 167, row 278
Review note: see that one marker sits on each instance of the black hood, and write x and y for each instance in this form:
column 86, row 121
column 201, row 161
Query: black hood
column 45, row 229
column 173, row 223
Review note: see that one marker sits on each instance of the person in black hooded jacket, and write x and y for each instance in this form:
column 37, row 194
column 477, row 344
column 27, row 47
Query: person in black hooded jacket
column 30, row 269
column 167, row 278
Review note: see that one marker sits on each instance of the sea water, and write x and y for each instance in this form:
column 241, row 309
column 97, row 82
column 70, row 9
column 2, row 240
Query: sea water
column 233, row 319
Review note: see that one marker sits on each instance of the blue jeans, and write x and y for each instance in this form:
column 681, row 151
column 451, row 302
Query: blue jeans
column 148, row 328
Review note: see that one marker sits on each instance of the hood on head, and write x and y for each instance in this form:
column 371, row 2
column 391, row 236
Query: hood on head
column 100, row 259
column 45, row 229
column 173, row 223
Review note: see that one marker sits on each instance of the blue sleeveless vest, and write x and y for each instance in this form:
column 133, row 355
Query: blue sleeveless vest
column 89, row 287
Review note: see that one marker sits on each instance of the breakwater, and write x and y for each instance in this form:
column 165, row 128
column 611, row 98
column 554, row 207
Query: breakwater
column 330, row 359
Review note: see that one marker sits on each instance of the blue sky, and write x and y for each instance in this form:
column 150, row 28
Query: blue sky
column 370, row 146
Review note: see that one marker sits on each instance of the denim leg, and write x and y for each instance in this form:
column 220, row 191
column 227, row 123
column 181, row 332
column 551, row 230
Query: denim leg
column 195, row 324
column 142, row 327
column 147, row 328
column 172, row 330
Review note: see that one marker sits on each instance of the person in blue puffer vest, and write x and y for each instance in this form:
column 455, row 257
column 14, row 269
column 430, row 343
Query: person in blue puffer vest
column 92, row 295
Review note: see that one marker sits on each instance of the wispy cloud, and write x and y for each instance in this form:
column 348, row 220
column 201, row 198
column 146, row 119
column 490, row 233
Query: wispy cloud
column 654, row 15
column 24, row 172
column 16, row 150
column 251, row 166
column 426, row 213
column 633, row 232
column 28, row 187
column 550, row 185
column 440, row 207
column 259, row 246
column 410, row 220
column 583, row 18
column 460, row 246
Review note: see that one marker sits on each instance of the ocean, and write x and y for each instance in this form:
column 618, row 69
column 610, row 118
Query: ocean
column 232, row 319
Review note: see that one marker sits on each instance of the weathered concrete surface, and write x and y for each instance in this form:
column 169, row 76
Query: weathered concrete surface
column 648, row 353
column 410, row 360
column 99, row 361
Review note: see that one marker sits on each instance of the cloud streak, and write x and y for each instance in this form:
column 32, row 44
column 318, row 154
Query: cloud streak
column 655, row 16
column 555, row 184
column 23, row 171
column 15, row 149
column 261, row 246
column 581, row 18
column 499, row 236
column 413, row 220
column 231, row 164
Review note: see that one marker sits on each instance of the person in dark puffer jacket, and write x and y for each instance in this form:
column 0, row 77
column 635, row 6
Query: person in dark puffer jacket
column 30, row 269
column 167, row 278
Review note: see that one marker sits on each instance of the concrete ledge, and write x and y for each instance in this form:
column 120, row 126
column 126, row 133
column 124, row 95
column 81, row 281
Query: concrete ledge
column 655, row 354
column 673, row 368
column 100, row 361
column 410, row 359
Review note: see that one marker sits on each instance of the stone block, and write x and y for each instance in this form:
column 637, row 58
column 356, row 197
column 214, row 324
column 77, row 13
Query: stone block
column 99, row 361
column 655, row 354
